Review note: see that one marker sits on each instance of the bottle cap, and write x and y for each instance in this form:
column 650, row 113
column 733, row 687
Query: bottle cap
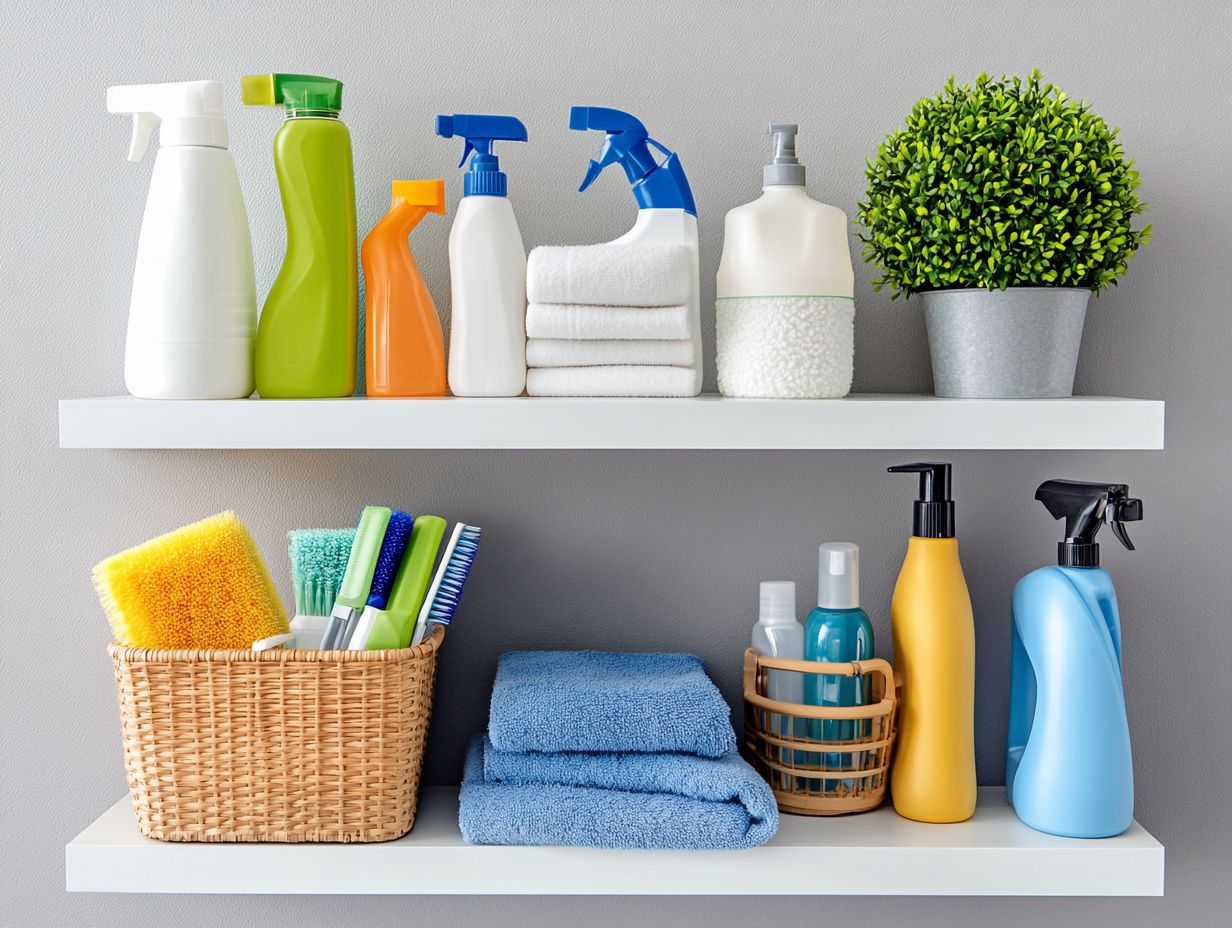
column 301, row 94
column 838, row 575
column 430, row 194
column 1085, row 507
column 784, row 169
column 656, row 185
column 190, row 113
column 778, row 602
column 933, row 514
column 480, row 130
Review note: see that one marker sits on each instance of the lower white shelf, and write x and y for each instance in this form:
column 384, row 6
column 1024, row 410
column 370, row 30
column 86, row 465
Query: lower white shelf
column 876, row 854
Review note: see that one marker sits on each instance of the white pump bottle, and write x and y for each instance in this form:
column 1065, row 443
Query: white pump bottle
column 785, row 309
column 193, row 314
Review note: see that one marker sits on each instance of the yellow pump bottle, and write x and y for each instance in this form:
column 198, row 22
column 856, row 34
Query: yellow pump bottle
column 933, row 776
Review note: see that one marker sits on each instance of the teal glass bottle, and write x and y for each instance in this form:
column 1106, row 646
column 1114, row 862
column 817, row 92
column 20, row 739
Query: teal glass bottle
column 838, row 631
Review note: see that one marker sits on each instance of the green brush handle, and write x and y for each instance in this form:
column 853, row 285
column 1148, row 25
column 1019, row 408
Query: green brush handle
column 357, row 581
column 410, row 586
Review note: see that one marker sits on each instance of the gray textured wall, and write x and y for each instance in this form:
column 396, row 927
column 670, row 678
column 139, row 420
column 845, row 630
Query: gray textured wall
column 623, row 550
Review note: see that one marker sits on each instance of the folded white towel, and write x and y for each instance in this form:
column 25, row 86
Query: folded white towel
column 609, row 275
column 622, row 380
column 567, row 320
column 564, row 352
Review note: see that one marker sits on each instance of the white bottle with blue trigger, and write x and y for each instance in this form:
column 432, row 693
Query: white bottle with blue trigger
column 667, row 214
column 487, row 266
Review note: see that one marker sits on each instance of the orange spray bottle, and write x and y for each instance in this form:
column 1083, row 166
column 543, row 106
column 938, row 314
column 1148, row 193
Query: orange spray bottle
column 405, row 347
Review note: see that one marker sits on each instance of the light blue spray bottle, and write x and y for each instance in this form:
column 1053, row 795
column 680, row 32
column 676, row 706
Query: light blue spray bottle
column 1068, row 767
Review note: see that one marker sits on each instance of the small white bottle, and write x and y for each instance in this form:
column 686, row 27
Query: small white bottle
column 785, row 309
column 193, row 315
column 487, row 267
column 778, row 633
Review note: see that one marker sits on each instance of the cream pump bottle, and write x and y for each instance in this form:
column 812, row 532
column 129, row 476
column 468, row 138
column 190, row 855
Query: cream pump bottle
column 785, row 309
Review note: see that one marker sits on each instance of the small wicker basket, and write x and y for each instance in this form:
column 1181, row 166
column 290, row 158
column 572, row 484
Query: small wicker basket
column 809, row 775
column 281, row 745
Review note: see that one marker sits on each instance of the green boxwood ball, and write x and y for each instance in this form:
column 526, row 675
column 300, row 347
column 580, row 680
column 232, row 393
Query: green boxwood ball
column 1000, row 183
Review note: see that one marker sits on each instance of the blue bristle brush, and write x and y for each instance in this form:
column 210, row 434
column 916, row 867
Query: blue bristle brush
column 446, row 591
column 397, row 534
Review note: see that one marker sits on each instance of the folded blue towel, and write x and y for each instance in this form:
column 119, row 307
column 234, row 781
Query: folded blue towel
column 597, row 701
column 674, row 801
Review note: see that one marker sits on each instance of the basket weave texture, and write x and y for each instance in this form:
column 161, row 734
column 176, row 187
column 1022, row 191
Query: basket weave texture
column 784, row 741
column 280, row 745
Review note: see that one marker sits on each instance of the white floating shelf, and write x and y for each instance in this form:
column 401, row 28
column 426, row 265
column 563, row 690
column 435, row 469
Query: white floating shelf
column 877, row 854
column 705, row 422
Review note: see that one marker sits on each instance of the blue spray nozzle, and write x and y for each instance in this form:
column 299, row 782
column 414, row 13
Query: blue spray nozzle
column 655, row 185
column 485, row 178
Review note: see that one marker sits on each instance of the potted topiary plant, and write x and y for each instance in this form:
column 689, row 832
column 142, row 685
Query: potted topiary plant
column 1005, row 205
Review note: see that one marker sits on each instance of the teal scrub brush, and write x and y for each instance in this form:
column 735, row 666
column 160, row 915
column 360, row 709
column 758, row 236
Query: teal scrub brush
column 318, row 561
column 446, row 592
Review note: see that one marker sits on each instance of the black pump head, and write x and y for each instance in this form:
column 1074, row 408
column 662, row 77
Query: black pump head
column 1085, row 506
column 934, row 510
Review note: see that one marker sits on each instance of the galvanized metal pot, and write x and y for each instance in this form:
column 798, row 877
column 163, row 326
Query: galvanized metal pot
column 1019, row 343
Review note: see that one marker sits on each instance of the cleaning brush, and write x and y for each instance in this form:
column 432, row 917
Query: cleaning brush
column 357, row 580
column 318, row 562
column 446, row 593
column 397, row 533
column 393, row 626
column 201, row 586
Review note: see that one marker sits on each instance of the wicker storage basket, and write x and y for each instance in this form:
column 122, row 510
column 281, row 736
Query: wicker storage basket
column 281, row 745
column 811, row 776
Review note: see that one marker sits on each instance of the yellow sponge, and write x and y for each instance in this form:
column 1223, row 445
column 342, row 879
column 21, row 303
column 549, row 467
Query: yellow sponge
column 201, row 586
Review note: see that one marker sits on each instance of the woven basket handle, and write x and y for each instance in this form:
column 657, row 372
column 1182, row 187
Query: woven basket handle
column 873, row 665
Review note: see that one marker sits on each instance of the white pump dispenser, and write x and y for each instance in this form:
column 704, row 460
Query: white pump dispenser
column 193, row 314
column 785, row 312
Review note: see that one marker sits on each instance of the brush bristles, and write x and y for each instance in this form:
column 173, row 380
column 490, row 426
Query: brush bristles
column 449, row 594
column 318, row 562
column 397, row 533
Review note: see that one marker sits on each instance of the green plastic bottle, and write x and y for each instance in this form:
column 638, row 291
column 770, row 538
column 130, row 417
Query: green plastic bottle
column 308, row 328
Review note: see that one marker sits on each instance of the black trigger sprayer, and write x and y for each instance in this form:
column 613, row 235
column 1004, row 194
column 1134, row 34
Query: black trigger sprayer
column 1085, row 507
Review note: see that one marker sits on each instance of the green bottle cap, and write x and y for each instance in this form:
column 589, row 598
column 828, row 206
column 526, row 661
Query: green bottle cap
column 301, row 94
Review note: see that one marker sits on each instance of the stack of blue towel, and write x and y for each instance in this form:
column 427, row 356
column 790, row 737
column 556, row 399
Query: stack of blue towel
column 611, row 750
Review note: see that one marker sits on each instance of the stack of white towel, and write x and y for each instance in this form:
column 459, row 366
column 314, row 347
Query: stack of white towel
column 612, row 320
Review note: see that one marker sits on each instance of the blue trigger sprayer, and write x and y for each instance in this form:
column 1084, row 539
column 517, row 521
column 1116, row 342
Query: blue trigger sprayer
column 667, row 214
column 655, row 185
column 1069, row 769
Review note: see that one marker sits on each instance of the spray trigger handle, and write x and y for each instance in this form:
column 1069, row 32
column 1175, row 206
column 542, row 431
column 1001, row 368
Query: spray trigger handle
column 1085, row 507
column 655, row 184
column 479, row 131
column 190, row 113
column 144, row 125
column 1122, row 510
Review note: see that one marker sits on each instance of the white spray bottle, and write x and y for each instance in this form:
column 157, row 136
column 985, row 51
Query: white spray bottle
column 193, row 314
column 487, row 265
column 666, row 212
